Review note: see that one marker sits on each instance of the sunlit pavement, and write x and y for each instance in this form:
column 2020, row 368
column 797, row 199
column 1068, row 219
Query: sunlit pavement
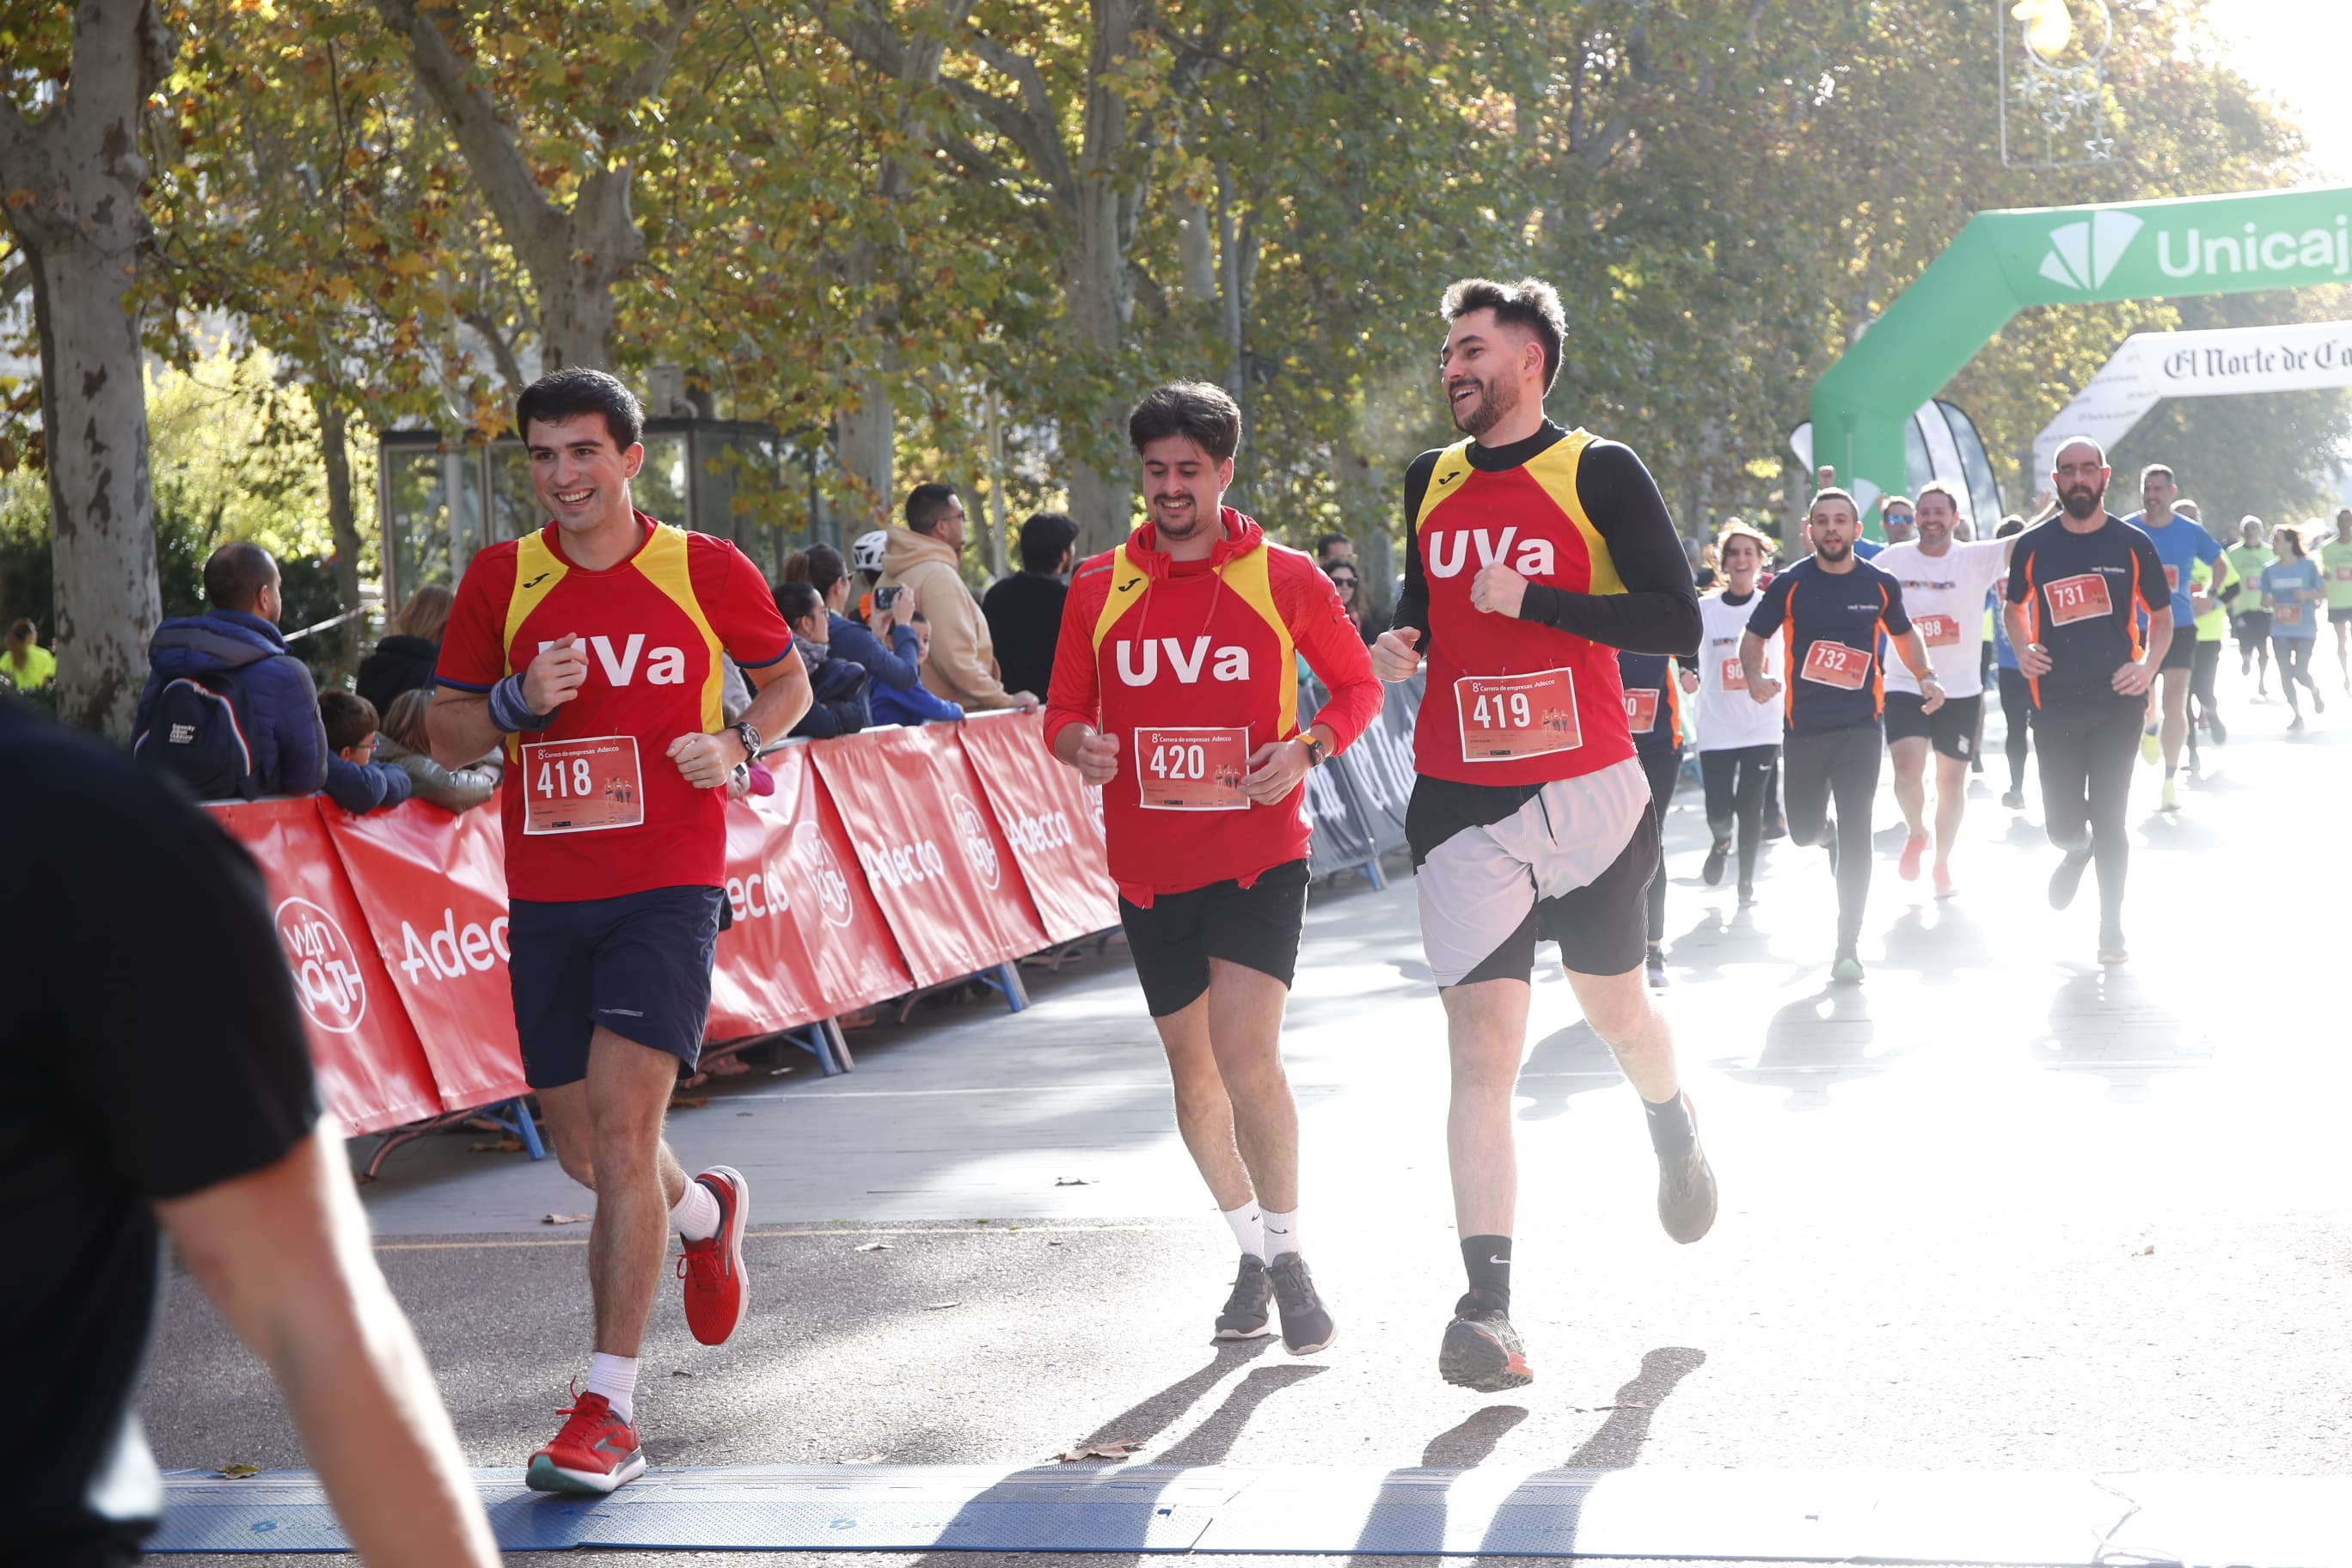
column 1995, row 1209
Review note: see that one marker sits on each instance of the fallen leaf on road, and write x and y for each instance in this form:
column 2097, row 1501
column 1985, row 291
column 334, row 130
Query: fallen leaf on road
column 238, row 1472
column 688, row 1101
column 679, row 1372
column 1052, row 1244
column 1074, row 1181
column 2147, row 1251
column 875, row 1246
column 498, row 1146
column 780, row 1072
column 1114, row 1451
column 566, row 1218
column 939, row 1306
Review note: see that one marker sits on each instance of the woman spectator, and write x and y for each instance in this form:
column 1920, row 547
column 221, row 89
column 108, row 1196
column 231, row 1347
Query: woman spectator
column 404, row 743
column 1342, row 571
column 823, row 569
column 2293, row 592
column 837, row 687
column 404, row 661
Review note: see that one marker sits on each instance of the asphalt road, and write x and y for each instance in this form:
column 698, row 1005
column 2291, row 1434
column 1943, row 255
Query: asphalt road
column 1996, row 1210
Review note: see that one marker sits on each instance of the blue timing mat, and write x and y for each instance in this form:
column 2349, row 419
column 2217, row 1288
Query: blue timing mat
column 1791, row 1515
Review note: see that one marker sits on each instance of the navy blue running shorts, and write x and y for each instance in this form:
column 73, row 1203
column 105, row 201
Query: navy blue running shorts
column 640, row 965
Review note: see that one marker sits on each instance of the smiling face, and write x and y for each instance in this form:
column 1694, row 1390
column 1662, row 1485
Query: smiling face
column 1488, row 370
column 580, row 476
column 2156, row 494
column 1184, row 488
column 1742, row 558
column 1938, row 518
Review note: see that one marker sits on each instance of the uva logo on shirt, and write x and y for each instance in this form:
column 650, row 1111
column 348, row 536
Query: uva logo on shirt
column 663, row 666
column 1139, row 663
column 1451, row 549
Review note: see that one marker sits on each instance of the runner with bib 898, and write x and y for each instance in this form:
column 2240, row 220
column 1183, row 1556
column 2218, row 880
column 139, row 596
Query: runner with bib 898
column 1533, row 553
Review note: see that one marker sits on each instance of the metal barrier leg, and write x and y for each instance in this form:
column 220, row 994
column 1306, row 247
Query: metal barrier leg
column 840, row 1045
column 1016, row 996
column 527, row 1129
column 1373, row 874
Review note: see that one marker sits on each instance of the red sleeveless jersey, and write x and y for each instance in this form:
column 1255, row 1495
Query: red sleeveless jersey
column 1193, row 665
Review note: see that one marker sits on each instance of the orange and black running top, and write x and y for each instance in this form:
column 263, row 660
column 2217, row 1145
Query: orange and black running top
column 1832, row 628
column 1653, row 700
column 2083, row 594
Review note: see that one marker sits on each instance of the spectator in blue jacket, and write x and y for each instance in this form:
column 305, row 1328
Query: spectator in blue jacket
column 915, row 705
column 837, row 688
column 822, row 568
column 355, row 780
column 238, row 632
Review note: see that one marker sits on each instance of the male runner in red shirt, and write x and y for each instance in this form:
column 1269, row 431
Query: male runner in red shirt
column 1533, row 554
column 590, row 653
column 1175, row 690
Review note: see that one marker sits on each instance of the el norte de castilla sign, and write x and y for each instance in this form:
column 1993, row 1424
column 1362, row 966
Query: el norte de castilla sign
column 2003, row 261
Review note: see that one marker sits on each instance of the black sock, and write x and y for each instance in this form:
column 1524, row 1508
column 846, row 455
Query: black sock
column 1670, row 1125
column 1488, row 1260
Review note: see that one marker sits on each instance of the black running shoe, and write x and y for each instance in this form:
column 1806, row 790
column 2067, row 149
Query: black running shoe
column 1712, row 872
column 1481, row 1349
column 2065, row 881
column 1305, row 1326
column 1686, row 1187
column 1244, row 1317
column 1747, row 894
column 1654, row 969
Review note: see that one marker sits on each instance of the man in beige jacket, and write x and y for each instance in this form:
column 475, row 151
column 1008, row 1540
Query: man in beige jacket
column 920, row 561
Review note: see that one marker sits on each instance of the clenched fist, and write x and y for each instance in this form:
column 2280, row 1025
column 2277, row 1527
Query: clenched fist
column 555, row 676
column 1395, row 657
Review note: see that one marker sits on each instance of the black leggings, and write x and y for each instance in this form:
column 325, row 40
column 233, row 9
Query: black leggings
column 2086, row 770
column 2293, row 665
column 2201, row 676
column 1843, row 765
column 2017, row 714
column 1735, row 778
column 1664, row 768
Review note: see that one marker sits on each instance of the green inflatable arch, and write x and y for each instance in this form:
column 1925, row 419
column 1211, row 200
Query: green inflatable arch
column 2003, row 261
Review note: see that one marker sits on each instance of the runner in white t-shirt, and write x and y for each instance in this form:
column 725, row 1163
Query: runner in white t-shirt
column 1738, row 737
column 1944, row 587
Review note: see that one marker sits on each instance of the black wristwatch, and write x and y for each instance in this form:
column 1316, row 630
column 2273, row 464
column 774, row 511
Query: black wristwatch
column 750, row 739
column 1315, row 751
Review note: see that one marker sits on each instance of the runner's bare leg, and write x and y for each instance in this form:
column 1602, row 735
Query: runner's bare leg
column 1204, row 1114
column 1245, row 1008
column 1619, row 1009
column 1485, row 1036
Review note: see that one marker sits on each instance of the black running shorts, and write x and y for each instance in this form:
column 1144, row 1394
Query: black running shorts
column 2253, row 628
column 1500, row 868
column 1256, row 927
column 2180, row 653
column 1951, row 728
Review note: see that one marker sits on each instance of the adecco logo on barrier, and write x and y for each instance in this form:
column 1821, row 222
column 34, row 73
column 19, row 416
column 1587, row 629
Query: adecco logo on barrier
column 325, row 966
column 972, row 832
column 899, row 865
column 817, row 858
column 759, row 895
column 1035, row 835
column 450, row 953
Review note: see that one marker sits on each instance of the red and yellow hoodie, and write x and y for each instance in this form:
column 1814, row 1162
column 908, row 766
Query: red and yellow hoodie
column 1153, row 650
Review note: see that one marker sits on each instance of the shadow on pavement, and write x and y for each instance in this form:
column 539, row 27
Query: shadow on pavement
column 1212, row 1442
column 1618, row 1444
column 1811, row 1044
column 2108, row 1021
column 1473, row 1442
column 1565, row 1063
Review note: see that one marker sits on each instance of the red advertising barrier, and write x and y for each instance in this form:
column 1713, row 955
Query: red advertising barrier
column 372, row 1072
column 884, row 861
column 435, row 889
column 1052, row 820
column 936, row 862
column 856, row 957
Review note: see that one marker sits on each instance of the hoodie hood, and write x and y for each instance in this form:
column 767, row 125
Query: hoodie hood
column 1239, row 536
column 908, row 549
column 219, row 639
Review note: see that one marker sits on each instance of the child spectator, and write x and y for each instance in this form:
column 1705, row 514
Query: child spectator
column 915, row 705
column 838, row 690
column 404, row 744
column 355, row 780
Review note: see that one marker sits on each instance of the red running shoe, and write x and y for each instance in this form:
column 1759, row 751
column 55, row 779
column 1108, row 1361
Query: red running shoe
column 1913, row 847
column 595, row 1452
column 713, row 1269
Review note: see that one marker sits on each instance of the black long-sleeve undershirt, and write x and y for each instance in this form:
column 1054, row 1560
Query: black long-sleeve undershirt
column 1658, row 611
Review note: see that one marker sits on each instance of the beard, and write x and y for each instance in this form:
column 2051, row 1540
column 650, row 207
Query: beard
column 1823, row 548
column 1182, row 528
column 2080, row 502
column 1488, row 410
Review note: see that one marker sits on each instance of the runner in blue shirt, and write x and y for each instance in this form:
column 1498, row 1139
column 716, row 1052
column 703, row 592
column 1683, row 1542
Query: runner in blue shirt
column 2293, row 591
column 2180, row 542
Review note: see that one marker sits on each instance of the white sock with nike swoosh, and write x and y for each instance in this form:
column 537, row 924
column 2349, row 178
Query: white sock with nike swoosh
column 1248, row 1230
column 1281, row 1232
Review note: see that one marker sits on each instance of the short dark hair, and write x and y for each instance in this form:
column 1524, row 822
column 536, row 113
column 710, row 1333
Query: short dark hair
column 1948, row 491
column 1530, row 304
column 1834, row 492
column 926, row 504
column 1324, row 543
column 798, row 601
column 2011, row 524
column 575, row 390
column 1045, row 538
column 1204, row 412
column 349, row 718
column 2164, row 469
column 236, row 574
column 823, row 566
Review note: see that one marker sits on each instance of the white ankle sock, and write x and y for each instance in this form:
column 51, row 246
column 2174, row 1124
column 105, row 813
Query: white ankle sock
column 696, row 1213
column 1281, row 1232
column 616, row 1377
column 1248, row 1230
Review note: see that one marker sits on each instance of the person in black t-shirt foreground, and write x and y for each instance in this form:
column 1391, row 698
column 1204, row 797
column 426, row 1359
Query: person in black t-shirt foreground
column 170, row 1089
column 1835, row 614
column 2076, row 584
column 1024, row 610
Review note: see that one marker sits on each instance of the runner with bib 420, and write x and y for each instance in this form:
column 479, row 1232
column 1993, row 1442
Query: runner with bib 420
column 1533, row 554
column 1175, row 691
column 589, row 653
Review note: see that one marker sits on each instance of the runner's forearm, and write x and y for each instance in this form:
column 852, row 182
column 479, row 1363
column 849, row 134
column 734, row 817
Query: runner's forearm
column 783, row 697
column 458, row 725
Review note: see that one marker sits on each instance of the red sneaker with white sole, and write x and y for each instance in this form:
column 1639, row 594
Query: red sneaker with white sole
column 595, row 1452
column 713, row 1269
